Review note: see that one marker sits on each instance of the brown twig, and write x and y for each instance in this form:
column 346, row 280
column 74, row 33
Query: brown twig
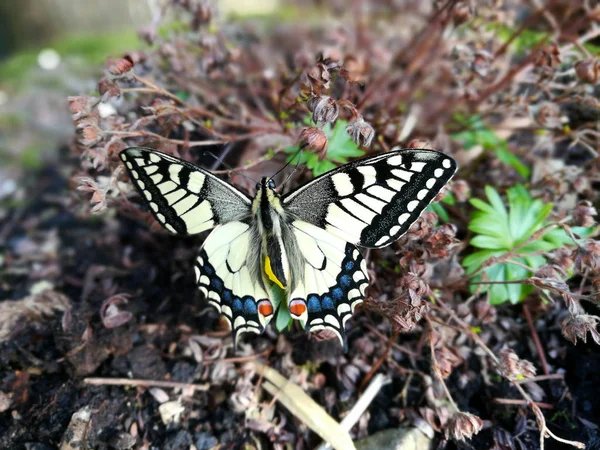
column 536, row 339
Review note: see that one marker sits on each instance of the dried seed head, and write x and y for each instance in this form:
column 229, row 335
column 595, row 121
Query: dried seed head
column 577, row 327
column 441, row 241
column 513, row 368
column 361, row 131
column 121, row 66
column 324, row 109
column 315, row 139
column 563, row 257
column 587, row 70
column 583, row 214
column 587, row 256
column 463, row 426
column 446, row 360
column 550, row 271
column 81, row 106
column 548, row 57
column 319, row 77
column 107, row 89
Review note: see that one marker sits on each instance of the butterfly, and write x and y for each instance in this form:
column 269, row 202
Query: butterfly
column 303, row 243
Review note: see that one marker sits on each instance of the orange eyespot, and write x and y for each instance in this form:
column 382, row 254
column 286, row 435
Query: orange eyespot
column 297, row 307
column 265, row 308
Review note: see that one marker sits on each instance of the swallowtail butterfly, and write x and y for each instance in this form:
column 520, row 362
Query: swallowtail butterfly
column 303, row 242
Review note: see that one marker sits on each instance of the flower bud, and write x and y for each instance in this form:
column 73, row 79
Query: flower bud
column 315, row 139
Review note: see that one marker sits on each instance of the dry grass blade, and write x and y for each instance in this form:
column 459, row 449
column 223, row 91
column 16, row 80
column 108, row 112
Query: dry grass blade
column 305, row 408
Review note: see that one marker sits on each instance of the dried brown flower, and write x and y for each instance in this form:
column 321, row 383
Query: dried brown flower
column 513, row 368
column 361, row 131
column 587, row 256
column 121, row 66
column 447, row 360
column 81, row 106
column 577, row 327
column 550, row 271
column 548, row 57
column 563, row 257
column 441, row 240
column 324, row 109
column 319, row 77
column 107, row 89
column 463, row 426
column 315, row 139
column 587, row 70
column 583, row 214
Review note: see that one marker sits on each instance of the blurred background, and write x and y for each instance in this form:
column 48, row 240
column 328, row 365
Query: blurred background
column 52, row 49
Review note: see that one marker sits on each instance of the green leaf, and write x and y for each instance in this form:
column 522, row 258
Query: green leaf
column 340, row 148
column 499, row 230
column 440, row 211
column 279, row 300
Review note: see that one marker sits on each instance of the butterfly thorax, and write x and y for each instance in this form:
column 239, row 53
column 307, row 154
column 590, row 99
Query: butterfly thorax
column 270, row 218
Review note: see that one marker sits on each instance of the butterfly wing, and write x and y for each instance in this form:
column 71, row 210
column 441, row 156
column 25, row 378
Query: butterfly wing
column 187, row 199
column 228, row 274
column 184, row 198
column 373, row 201
column 330, row 279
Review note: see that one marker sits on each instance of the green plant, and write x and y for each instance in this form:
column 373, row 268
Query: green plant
column 476, row 132
column 508, row 234
column 340, row 148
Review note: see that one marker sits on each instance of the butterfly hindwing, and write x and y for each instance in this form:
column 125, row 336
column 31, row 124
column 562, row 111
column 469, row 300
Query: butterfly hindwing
column 330, row 279
column 228, row 274
column 373, row 201
column 183, row 198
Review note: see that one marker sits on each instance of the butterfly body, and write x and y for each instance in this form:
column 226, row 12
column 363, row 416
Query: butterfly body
column 303, row 242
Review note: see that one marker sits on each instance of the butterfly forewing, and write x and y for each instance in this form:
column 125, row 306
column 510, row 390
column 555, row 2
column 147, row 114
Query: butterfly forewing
column 373, row 201
column 183, row 198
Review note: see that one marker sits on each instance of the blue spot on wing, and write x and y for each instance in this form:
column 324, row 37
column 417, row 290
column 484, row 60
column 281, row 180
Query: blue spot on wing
column 217, row 283
column 327, row 302
column 345, row 281
column 338, row 294
column 237, row 305
column 314, row 304
column 249, row 305
column 349, row 265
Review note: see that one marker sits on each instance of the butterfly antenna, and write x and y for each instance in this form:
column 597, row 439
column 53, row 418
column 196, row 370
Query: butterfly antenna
column 227, row 166
column 287, row 164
